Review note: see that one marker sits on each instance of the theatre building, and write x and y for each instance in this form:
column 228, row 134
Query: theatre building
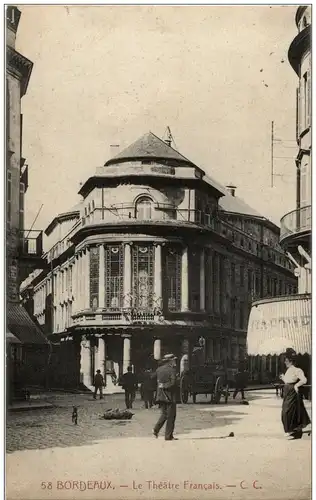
column 156, row 258
column 283, row 322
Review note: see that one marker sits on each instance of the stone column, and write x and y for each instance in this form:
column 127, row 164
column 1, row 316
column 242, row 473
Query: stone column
column 101, row 278
column 100, row 357
column 59, row 277
column 185, row 281
column 126, row 353
column 79, row 282
column 157, row 349
column 85, row 364
column 87, row 280
column 202, row 280
column 76, row 284
column 127, row 275
column 158, row 277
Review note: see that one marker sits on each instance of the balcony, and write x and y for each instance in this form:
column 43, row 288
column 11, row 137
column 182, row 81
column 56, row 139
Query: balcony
column 30, row 244
column 296, row 225
column 30, row 252
column 123, row 214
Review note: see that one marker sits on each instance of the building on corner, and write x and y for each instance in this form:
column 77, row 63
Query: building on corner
column 156, row 258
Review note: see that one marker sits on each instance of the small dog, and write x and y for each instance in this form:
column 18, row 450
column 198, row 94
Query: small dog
column 74, row 416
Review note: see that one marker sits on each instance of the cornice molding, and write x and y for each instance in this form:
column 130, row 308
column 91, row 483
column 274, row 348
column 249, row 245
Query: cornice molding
column 20, row 67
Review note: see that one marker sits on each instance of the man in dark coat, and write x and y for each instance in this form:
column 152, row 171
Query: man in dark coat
column 241, row 382
column 98, row 384
column 129, row 384
column 148, row 388
column 166, row 396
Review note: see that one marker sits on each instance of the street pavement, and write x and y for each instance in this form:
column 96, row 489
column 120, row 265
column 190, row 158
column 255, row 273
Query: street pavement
column 49, row 457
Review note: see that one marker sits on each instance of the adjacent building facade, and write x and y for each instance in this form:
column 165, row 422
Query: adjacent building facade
column 286, row 321
column 23, row 247
column 155, row 257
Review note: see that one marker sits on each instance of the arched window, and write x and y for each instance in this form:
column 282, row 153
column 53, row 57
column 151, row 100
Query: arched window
column 144, row 207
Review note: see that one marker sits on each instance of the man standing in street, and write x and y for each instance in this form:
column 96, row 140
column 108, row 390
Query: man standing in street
column 148, row 388
column 98, row 384
column 241, row 382
column 167, row 396
column 129, row 384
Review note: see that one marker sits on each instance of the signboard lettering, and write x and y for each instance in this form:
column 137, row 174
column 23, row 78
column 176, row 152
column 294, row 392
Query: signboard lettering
column 163, row 170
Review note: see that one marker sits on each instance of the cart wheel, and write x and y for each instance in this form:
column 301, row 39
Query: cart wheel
column 226, row 394
column 194, row 397
column 184, row 392
column 218, row 390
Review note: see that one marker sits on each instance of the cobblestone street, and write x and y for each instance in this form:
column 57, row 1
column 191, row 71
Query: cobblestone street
column 53, row 427
column 49, row 457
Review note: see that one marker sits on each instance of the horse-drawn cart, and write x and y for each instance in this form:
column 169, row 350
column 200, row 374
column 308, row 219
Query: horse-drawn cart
column 210, row 378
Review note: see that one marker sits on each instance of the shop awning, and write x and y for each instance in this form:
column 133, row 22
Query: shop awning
column 280, row 323
column 275, row 346
column 21, row 326
column 11, row 339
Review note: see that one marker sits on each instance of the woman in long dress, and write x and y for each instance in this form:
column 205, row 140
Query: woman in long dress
column 294, row 414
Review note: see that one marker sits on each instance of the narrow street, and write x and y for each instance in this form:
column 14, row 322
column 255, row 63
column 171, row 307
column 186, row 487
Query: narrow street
column 115, row 459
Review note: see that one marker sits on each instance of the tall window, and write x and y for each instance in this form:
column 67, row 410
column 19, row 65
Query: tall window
column 223, row 284
column 242, row 275
column 114, row 264
column 94, row 277
column 173, row 260
column 233, row 277
column 216, row 283
column 242, row 316
column 257, row 284
column 144, row 208
column 194, row 280
column 250, row 281
column 209, row 269
column 143, row 276
column 21, row 206
column 305, row 83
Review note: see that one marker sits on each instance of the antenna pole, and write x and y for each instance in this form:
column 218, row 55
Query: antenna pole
column 35, row 219
column 272, row 142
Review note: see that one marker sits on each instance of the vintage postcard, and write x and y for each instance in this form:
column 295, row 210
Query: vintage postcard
column 158, row 252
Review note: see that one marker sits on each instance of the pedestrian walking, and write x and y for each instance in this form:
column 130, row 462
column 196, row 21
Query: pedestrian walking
column 148, row 387
column 241, row 382
column 98, row 384
column 166, row 396
column 129, row 384
column 294, row 414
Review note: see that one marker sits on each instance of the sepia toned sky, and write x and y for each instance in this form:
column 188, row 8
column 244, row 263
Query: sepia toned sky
column 217, row 75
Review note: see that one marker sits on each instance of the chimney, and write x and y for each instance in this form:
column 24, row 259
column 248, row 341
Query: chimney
column 114, row 150
column 231, row 189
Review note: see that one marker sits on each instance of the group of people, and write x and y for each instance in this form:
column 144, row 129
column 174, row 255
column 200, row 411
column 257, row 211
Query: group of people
column 161, row 387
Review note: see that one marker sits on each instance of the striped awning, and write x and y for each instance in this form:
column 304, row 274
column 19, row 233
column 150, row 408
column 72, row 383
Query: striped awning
column 278, row 324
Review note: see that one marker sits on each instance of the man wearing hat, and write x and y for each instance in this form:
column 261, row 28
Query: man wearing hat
column 166, row 396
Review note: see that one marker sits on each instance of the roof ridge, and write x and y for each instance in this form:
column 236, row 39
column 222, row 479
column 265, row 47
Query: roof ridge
column 173, row 149
column 146, row 146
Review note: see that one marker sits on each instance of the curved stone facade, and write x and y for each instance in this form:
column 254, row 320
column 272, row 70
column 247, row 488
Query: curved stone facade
column 149, row 263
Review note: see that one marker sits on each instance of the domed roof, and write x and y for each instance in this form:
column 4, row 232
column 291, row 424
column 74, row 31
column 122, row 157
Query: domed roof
column 149, row 146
